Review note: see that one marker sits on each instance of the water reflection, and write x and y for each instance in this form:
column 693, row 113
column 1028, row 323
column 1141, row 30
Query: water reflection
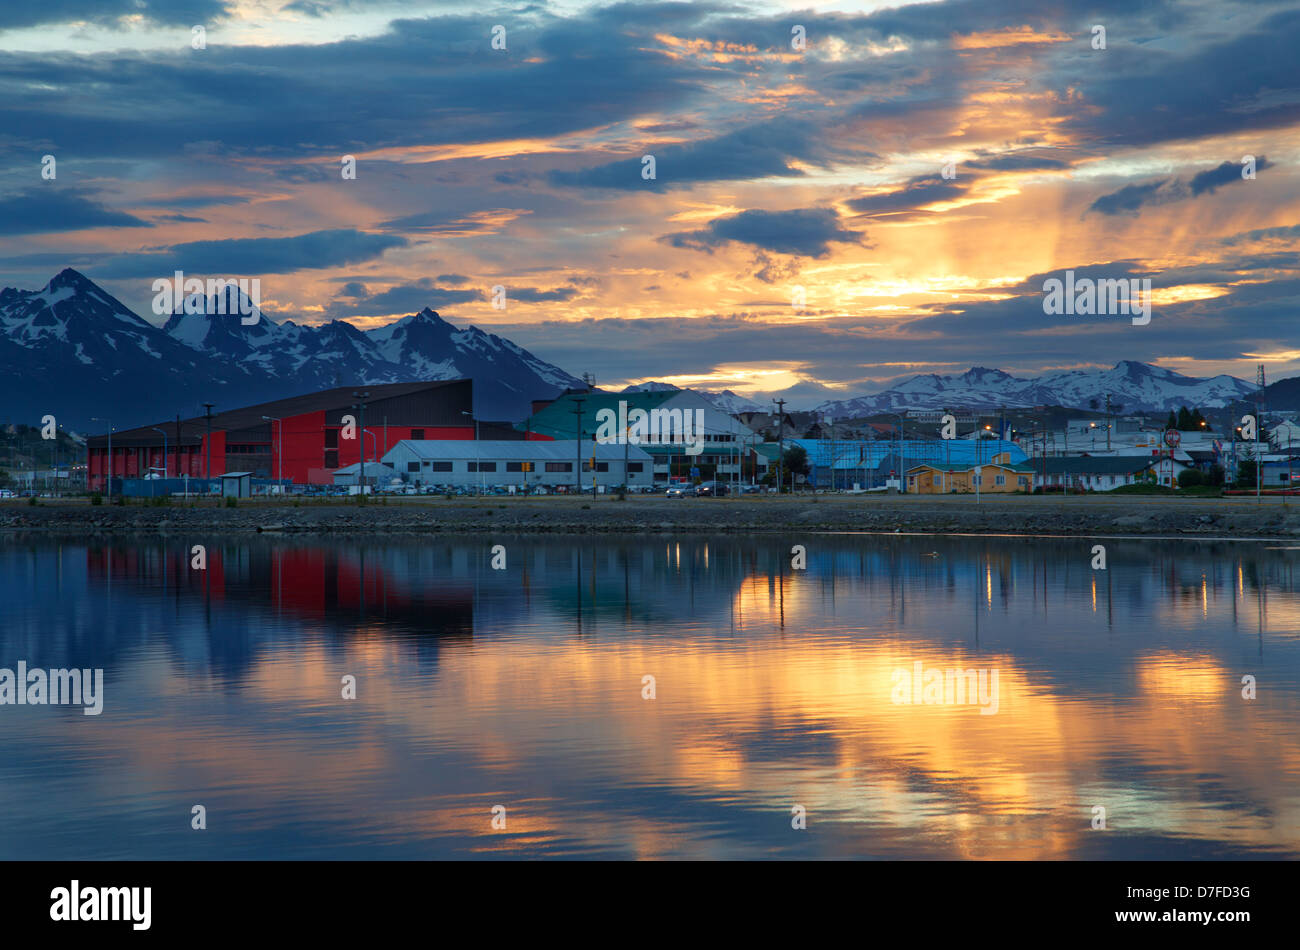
column 773, row 687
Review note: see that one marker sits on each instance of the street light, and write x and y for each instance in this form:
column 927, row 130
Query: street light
column 360, row 406
column 478, row 460
column 110, row 455
column 164, row 435
column 279, row 454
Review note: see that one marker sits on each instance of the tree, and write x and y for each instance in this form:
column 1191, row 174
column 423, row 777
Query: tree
column 1190, row 477
column 1172, row 422
column 1214, row 476
column 795, row 461
column 1184, row 419
column 1246, row 473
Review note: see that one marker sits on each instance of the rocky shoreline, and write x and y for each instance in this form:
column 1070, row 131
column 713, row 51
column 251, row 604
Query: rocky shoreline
column 1075, row 516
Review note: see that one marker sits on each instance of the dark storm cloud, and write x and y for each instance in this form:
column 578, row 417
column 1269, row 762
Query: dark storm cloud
column 112, row 12
column 1194, row 89
column 53, row 208
column 354, row 300
column 192, row 201
column 804, row 232
column 535, row 295
column 1225, row 174
column 756, row 151
column 253, row 255
column 425, row 82
column 1132, row 198
column 1291, row 232
column 919, row 191
column 1018, row 163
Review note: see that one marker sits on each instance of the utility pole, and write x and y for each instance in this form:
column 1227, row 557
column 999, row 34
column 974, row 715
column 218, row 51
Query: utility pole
column 577, row 475
column 780, row 440
column 360, row 406
column 1107, row 422
column 110, row 455
column 207, row 414
column 1259, row 431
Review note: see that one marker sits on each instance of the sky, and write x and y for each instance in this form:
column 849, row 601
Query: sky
column 843, row 195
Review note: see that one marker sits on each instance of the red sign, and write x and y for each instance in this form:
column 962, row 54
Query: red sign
column 1173, row 437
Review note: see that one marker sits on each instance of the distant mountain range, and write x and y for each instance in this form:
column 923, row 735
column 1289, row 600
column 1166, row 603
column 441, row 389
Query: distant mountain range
column 74, row 351
column 725, row 401
column 1139, row 387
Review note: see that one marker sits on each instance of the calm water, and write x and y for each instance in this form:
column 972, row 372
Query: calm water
column 774, row 688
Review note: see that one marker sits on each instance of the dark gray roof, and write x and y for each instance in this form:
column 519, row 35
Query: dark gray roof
column 1092, row 464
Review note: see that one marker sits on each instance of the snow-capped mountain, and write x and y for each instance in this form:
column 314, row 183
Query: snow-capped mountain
column 1139, row 387
column 73, row 350
column 725, row 401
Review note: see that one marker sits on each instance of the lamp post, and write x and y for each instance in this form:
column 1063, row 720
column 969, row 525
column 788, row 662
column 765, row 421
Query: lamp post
column 374, row 444
column 207, row 414
column 577, row 474
column 110, row 455
column 164, row 435
column 360, row 406
column 478, row 456
column 279, row 454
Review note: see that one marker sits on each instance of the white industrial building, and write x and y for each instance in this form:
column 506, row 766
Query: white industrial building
column 489, row 463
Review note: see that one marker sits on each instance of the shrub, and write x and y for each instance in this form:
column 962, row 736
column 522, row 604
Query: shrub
column 97, row 499
column 232, row 502
column 1190, row 478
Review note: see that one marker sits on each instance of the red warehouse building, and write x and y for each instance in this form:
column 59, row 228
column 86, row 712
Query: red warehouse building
column 311, row 429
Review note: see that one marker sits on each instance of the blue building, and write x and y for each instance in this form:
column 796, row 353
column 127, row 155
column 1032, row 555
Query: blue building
column 870, row 464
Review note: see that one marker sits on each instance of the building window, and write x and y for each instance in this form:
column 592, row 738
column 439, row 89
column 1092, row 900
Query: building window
column 635, row 467
column 482, row 466
column 412, row 466
column 999, row 479
column 417, row 435
column 559, row 466
column 331, row 438
column 442, row 466
column 1023, row 481
column 514, row 466
column 332, row 458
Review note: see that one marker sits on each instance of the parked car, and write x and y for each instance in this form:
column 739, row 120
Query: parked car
column 7, row 493
column 681, row 491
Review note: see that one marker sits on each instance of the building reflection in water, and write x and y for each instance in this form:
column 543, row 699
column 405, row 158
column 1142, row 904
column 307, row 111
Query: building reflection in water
column 523, row 686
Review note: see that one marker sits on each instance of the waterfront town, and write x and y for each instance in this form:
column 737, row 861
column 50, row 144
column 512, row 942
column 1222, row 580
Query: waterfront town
column 424, row 438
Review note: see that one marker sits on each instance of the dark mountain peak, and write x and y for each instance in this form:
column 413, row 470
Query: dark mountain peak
column 69, row 278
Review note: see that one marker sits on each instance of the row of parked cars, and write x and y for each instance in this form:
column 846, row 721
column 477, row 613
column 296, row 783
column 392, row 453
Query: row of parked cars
column 709, row 490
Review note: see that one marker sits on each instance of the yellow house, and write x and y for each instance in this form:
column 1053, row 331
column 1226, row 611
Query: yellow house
column 999, row 476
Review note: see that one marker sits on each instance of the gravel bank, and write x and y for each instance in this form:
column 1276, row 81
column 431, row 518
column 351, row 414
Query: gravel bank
column 1089, row 515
